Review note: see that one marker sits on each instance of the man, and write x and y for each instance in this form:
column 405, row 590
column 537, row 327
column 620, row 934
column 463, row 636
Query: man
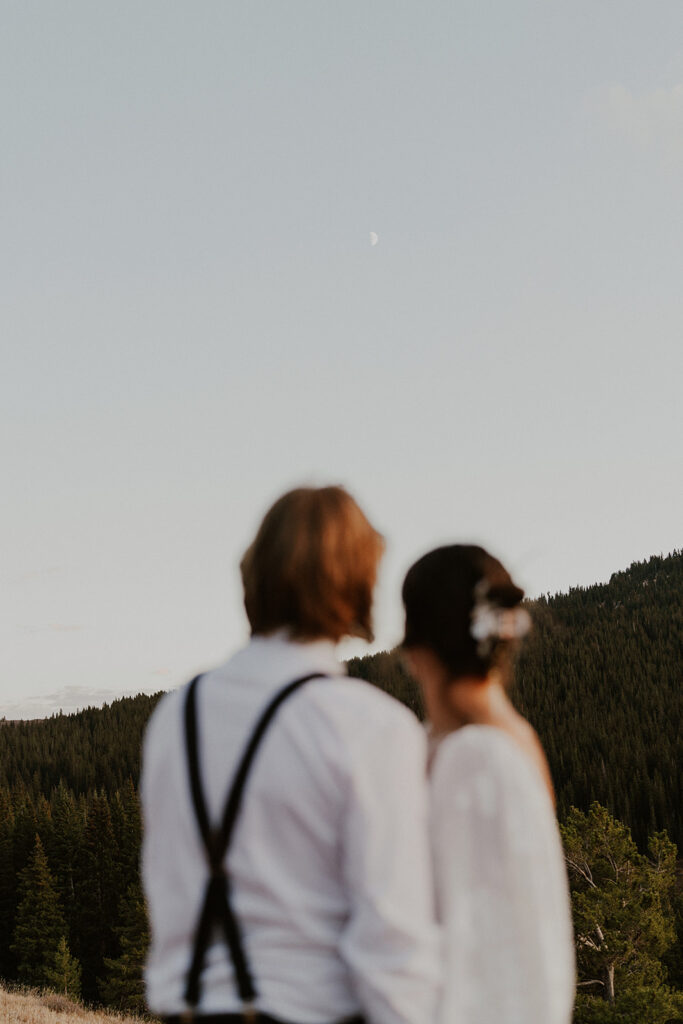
column 313, row 902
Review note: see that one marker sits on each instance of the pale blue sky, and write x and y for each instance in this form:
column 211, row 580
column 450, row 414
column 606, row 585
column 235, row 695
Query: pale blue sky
column 193, row 318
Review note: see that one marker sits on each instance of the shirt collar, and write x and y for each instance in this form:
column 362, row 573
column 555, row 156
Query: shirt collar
column 277, row 659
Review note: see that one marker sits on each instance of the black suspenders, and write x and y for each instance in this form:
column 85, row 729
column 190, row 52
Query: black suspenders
column 217, row 907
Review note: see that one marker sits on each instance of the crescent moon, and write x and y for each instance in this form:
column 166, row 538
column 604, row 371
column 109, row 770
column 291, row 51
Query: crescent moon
column 374, row 238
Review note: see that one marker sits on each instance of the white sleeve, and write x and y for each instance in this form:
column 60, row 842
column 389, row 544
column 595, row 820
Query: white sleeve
column 501, row 887
column 390, row 943
column 149, row 778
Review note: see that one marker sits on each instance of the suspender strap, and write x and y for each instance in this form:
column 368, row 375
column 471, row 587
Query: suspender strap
column 217, row 907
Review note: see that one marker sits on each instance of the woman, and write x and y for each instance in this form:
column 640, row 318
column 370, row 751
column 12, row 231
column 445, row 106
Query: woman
column 294, row 884
column 501, row 882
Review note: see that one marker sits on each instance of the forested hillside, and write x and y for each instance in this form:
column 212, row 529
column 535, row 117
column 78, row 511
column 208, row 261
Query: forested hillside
column 600, row 678
column 96, row 749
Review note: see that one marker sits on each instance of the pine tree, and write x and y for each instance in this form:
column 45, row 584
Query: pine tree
column 25, row 827
column 65, row 850
column 98, row 892
column 623, row 917
column 39, row 921
column 8, row 883
column 127, row 829
column 123, row 985
column 64, row 974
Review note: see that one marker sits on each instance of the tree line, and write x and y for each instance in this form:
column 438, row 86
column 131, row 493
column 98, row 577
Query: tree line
column 74, row 916
column 70, row 898
column 600, row 680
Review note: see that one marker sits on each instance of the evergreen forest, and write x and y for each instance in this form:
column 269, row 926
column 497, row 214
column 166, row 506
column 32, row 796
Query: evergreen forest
column 599, row 678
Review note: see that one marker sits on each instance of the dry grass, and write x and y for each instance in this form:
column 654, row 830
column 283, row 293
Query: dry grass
column 26, row 1007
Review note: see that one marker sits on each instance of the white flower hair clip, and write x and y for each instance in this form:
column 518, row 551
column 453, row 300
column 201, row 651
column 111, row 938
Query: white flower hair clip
column 490, row 623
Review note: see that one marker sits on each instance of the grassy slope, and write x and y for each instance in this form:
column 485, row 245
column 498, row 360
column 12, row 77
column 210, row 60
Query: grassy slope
column 27, row 1007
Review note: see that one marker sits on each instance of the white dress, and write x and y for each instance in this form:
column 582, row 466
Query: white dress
column 501, row 885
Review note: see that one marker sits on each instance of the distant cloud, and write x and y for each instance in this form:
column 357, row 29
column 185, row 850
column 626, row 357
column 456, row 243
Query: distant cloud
column 67, row 700
column 648, row 119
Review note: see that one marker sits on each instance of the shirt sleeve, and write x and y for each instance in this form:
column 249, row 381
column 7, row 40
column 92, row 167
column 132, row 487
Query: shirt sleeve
column 148, row 771
column 158, row 804
column 501, row 888
column 390, row 943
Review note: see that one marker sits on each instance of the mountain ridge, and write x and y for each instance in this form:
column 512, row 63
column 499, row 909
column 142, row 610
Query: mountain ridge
column 602, row 663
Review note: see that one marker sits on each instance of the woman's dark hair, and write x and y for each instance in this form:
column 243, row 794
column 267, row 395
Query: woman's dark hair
column 441, row 592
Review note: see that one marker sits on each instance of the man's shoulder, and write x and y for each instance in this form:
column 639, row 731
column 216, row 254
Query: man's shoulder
column 166, row 715
column 364, row 704
column 172, row 703
column 361, row 734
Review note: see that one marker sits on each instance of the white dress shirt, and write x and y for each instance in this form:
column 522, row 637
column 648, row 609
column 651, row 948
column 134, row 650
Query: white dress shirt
column 329, row 863
column 501, row 885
